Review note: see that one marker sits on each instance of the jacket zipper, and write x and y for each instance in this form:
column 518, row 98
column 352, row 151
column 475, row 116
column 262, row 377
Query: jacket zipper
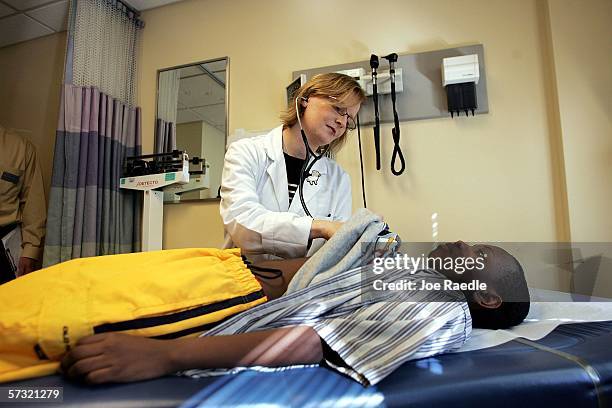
column 146, row 322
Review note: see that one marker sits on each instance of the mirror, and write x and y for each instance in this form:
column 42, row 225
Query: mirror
column 192, row 117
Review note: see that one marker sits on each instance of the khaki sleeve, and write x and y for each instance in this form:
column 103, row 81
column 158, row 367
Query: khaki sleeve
column 33, row 207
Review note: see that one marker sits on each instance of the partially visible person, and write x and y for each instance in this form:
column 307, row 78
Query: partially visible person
column 22, row 198
column 505, row 301
column 329, row 321
column 261, row 207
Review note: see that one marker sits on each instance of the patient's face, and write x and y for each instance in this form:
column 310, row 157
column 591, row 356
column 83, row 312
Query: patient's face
column 477, row 261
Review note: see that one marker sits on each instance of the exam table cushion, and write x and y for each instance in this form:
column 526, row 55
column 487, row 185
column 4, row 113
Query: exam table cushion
column 512, row 374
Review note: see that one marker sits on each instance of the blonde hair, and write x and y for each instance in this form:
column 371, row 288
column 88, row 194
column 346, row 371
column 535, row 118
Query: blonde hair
column 342, row 87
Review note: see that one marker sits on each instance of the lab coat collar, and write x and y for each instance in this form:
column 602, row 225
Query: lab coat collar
column 278, row 172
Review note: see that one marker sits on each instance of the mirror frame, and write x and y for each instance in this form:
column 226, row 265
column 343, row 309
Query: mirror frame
column 159, row 71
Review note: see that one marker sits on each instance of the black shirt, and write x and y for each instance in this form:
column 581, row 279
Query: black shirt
column 294, row 167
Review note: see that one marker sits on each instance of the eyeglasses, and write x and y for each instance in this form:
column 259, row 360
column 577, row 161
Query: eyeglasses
column 350, row 122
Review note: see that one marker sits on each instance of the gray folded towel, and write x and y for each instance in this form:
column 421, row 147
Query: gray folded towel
column 353, row 245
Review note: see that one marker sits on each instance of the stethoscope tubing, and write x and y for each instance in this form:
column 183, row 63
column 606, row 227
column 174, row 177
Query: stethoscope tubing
column 306, row 167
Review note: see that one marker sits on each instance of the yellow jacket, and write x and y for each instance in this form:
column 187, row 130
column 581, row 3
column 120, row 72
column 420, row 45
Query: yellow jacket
column 162, row 294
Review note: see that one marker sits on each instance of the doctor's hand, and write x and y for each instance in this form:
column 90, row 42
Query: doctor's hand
column 115, row 357
column 324, row 229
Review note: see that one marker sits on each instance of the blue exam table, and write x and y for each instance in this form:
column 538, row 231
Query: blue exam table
column 571, row 367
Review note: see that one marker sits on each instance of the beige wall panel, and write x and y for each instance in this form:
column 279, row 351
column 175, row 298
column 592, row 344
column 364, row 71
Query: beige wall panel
column 582, row 48
column 488, row 177
column 30, row 83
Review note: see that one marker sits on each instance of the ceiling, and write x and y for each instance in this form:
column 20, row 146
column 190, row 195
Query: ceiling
column 23, row 20
column 202, row 94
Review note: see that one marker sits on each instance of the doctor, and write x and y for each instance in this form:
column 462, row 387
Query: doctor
column 261, row 207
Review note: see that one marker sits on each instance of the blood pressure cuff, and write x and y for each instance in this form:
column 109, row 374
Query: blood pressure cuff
column 162, row 294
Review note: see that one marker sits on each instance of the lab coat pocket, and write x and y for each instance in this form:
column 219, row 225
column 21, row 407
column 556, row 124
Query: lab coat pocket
column 321, row 206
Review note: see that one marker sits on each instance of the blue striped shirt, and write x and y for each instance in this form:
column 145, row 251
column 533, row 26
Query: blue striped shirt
column 372, row 332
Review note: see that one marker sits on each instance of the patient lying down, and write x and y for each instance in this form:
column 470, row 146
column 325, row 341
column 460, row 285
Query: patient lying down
column 328, row 322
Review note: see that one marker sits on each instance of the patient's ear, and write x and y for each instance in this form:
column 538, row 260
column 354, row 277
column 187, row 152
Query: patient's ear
column 487, row 299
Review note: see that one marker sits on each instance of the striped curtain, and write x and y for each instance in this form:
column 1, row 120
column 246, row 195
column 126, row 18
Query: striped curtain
column 165, row 136
column 98, row 127
column 88, row 214
column 167, row 101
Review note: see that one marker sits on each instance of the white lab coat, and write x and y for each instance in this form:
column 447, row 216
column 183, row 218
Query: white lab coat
column 255, row 200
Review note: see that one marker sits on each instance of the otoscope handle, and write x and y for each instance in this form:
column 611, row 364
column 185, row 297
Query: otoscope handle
column 374, row 65
column 377, row 145
column 376, row 125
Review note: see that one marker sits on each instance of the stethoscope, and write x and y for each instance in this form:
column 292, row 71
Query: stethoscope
column 306, row 167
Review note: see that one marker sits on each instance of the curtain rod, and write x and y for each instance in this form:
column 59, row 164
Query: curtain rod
column 130, row 11
column 129, row 7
